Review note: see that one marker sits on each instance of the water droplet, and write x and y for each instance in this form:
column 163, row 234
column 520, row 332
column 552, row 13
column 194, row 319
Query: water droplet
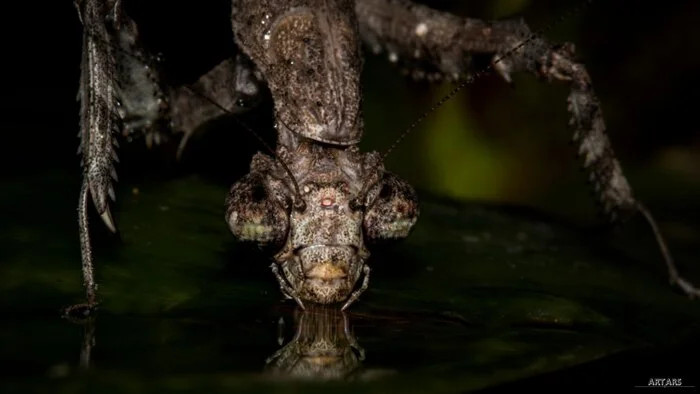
column 266, row 37
column 393, row 57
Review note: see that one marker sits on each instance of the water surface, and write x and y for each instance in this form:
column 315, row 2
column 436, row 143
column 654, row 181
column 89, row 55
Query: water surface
column 478, row 296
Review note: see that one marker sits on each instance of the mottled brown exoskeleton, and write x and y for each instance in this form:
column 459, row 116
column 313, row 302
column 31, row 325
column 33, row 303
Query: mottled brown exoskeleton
column 317, row 200
column 334, row 198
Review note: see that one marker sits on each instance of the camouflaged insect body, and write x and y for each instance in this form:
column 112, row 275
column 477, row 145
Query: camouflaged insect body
column 321, row 202
column 309, row 52
column 322, row 248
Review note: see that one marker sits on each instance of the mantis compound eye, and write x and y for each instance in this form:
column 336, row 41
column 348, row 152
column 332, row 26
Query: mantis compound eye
column 255, row 214
column 392, row 209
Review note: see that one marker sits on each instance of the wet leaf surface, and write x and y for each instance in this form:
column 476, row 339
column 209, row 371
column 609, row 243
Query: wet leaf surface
column 478, row 296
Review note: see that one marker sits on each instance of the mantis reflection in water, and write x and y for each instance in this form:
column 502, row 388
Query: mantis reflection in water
column 321, row 348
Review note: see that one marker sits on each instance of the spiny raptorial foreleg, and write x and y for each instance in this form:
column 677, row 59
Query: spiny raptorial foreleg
column 99, row 124
column 118, row 90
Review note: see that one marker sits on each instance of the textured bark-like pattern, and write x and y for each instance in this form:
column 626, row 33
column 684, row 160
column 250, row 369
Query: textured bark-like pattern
column 254, row 214
column 323, row 248
column 308, row 52
column 392, row 209
column 436, row 45
column 604, row 171
column 121, row 90
column 99, row 121
column 98, row 125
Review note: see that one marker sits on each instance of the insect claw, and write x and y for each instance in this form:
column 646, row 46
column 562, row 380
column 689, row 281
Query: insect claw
column 502, row 69
column 108, row 220
column 287, row 290
column 357, row 293
column 111, row 193
column 181, row 146
column 347, row 305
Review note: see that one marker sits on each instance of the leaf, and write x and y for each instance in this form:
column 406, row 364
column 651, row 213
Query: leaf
column 477, row 296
